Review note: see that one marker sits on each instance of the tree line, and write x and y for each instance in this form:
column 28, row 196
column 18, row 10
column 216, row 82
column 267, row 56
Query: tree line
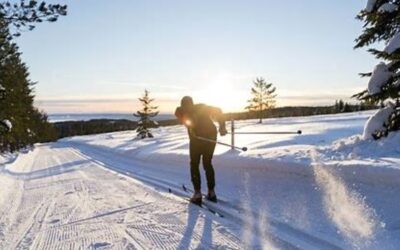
column 261, row 105
column 72, row 128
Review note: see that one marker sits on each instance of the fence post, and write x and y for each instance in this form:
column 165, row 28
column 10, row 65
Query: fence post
column 232, row 134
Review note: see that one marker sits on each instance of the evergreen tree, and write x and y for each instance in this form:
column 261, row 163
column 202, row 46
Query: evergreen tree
column 20, row 123
column 263, row 97
column 16, row 102
column 346, row 108
column 145, row 114
column 336, row 106
column 339, row 106
column 382, row 24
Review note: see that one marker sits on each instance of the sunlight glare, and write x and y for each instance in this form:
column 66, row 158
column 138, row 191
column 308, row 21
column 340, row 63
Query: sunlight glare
column 221, row 92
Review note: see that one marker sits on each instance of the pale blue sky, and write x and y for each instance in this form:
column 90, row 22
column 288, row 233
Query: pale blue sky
column 104, row 53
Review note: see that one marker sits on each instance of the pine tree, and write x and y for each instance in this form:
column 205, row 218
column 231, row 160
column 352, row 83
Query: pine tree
column 145, row 114
column 339, row 106
column 346, row 107
column 263, row 97
column 16, row 102
column 382, row 24
column 20, row 123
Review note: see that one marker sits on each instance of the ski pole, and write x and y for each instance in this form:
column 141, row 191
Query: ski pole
column 221, row 143
column 299, row 132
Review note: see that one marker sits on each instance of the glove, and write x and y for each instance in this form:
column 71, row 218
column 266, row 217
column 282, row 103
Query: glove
column 222, row 131
column 179, row 113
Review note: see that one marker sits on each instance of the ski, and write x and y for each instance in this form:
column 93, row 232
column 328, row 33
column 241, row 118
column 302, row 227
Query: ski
column 202, row 205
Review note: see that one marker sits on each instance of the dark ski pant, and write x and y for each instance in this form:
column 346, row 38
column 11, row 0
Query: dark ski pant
column 201, row 150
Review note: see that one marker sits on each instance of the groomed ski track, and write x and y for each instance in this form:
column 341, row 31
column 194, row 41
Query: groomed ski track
column 72, row 196
column 53, row 198
column 278, row 235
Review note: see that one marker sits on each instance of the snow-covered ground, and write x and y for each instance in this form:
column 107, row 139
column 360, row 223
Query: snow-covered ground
column 54, row 198
column 325, row 189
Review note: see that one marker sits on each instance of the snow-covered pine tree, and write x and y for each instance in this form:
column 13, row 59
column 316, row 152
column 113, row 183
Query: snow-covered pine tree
column 382, row 24
column 145, row 114
column 263, row 97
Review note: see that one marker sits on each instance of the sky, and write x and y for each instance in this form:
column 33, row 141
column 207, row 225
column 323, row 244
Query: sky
column 103, row 54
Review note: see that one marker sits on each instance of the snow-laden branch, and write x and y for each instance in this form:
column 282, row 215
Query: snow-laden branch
column 380, row 76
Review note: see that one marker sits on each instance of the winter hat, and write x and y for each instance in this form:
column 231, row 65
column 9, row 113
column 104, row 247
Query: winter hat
column 186, row 102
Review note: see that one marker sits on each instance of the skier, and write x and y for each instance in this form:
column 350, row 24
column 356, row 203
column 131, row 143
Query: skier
column 198, row 118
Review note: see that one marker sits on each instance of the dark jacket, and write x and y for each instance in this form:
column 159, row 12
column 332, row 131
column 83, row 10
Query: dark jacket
column 200, row 118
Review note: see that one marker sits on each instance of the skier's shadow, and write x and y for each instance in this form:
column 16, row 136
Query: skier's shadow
column 189, row 234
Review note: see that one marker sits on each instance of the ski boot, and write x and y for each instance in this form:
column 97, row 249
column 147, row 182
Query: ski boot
column 211, row 196
column 196, row 198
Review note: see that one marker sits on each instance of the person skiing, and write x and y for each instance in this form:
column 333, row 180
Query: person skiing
column 198, row 118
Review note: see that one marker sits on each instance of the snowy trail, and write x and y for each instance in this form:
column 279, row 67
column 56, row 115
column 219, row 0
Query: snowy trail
column 314, row 210
column 55, row 199
column 309, row 192
column 324, row 188
column 255, row 222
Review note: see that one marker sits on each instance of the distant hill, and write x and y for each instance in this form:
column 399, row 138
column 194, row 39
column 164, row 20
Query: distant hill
column 64, row 117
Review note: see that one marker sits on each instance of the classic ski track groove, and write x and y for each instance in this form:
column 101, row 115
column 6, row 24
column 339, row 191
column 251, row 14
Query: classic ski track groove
column 153, row 235
column 90, row 208
column 282, row 232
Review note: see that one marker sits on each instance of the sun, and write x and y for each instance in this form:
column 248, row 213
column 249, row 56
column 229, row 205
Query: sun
column 221, row 92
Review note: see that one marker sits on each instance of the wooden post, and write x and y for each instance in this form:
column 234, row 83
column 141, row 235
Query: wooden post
column 232, row 134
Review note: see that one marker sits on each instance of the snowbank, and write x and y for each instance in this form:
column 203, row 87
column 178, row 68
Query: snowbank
column 6, row 158
column 6, row 182
column 357, row 148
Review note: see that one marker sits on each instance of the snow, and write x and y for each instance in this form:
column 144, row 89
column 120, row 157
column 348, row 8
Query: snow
column 380, row 76
column 370, row 5
column 6, row 158
column 8, row 124
column 375, row 122
column 355, row 151
column 275, row 174
column 388, row 7
column 328, row 188
column 54, row 198
column 393, row 44
column 347, row 210
column 6, row 182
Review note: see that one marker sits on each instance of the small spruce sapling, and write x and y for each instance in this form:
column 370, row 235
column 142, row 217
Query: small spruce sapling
column 145, row 114
column 263, row 97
